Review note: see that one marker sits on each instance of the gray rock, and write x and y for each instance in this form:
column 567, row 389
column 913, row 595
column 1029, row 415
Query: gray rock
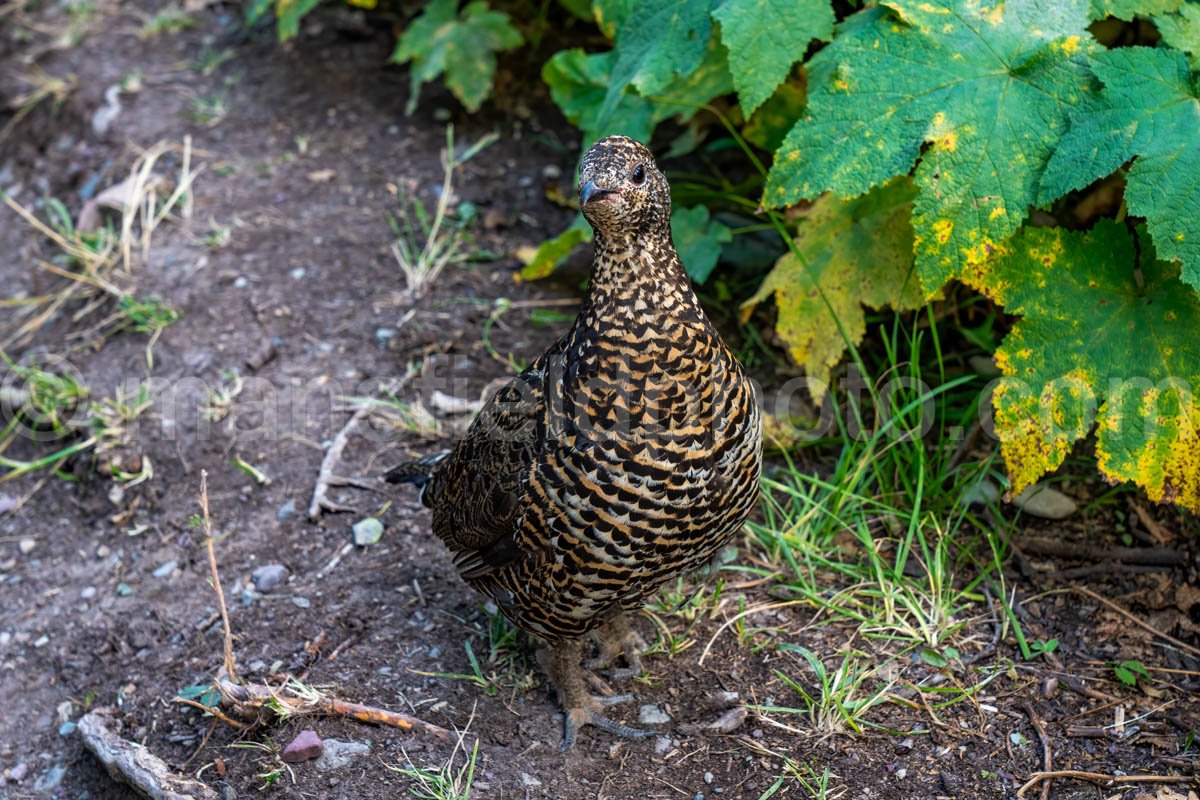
column 653, row 715
column 87, row 593
column 269, row 577
column 50, row 779
column 338, row 753
column 529, row 780
column 165, row 570
column 980, row 494
column 1042, row 501
column 19, row 772
column 305, row 747
column 301, row 602
column 26, row 546
column 286, row 511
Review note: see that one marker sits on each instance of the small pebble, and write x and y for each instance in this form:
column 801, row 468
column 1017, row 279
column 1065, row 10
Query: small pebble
column 26, row 546
column 87, row 593
column 50, row 779
column 66, row 729
column 663, row 745
column 305, row 747
column 301, row 602
column 529, row 780
column 652, row 715
column 297, row 273
column 7, row 503
column 552, row 172
column 18, row 773
column 286, row 511
column 165, row 570
column 240, row 282
column 338, row 753
column 269, row 577
column 708, row 777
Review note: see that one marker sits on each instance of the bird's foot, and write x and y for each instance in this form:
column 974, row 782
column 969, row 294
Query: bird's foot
column 575, row 719
column 617, row 638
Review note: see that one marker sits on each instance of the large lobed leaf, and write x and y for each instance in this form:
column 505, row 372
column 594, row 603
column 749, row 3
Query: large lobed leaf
column 986, row 86
column 765, row 38
column 851, row 253
column 1093, row 348
column 462, row 46
column 1149, row 109
column 659, row 41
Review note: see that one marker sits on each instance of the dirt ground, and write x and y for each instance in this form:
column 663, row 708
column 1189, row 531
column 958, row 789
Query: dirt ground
column 283, row 273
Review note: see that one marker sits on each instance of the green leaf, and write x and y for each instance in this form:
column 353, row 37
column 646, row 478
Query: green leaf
column 578, row 83
column 1128, row 9
column 288, row 14
column 658, row 42
column 462, row 46
column 765, row 38
column 774, row 118
column 987, row 87
column 611, row 15
column 698, row 238
column 1093, row 349
column 553, row 252
column 1182, row 30
column 858, row 252
column 1149, row 109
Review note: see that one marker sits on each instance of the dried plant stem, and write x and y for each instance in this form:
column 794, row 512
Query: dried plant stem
column 216, row 577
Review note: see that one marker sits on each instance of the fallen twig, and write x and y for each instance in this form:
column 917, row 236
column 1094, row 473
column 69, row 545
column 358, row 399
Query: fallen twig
column 1136, row 621
column 133, row 764
column 1098, row 777
column 326, row 478
column 1163, row 557
column 251, row 698
column 1047, row 764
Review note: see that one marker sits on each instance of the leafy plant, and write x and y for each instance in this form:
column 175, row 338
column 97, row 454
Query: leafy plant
column 913, row 147
column 461, row 46
column 1129, row 672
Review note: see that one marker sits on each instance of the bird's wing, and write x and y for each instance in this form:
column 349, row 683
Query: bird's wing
column 478, row 491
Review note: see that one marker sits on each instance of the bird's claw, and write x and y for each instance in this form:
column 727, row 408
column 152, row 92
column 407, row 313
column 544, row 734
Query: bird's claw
column 577, row 718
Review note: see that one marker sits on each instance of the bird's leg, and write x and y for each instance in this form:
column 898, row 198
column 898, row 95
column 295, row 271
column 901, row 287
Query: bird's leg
column 618, row 638
column 563, row 663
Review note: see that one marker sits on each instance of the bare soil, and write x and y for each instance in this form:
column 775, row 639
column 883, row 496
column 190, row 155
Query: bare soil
column 304, row 149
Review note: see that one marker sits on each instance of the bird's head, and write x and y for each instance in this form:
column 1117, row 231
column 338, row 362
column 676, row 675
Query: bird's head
column 621, row 191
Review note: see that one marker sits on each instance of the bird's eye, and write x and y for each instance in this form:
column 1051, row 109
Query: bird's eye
column 639, row 174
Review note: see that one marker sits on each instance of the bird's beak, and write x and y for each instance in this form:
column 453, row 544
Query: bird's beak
column 591, row 191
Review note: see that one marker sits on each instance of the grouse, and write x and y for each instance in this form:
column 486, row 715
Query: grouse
column 627, row 454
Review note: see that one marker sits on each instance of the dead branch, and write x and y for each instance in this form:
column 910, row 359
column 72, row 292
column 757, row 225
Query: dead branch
column 1047, row 764
column 1038, row 777
column 249, row 699
column 1153, row 556
column 326, row 477
column 131, row 763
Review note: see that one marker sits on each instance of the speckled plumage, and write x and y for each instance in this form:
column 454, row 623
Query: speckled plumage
column 627, row 454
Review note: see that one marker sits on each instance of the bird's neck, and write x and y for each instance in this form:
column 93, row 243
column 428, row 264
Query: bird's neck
column 642, row 273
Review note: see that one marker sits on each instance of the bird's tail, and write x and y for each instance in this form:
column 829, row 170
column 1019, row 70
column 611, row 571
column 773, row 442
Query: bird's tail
column 419, row 473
